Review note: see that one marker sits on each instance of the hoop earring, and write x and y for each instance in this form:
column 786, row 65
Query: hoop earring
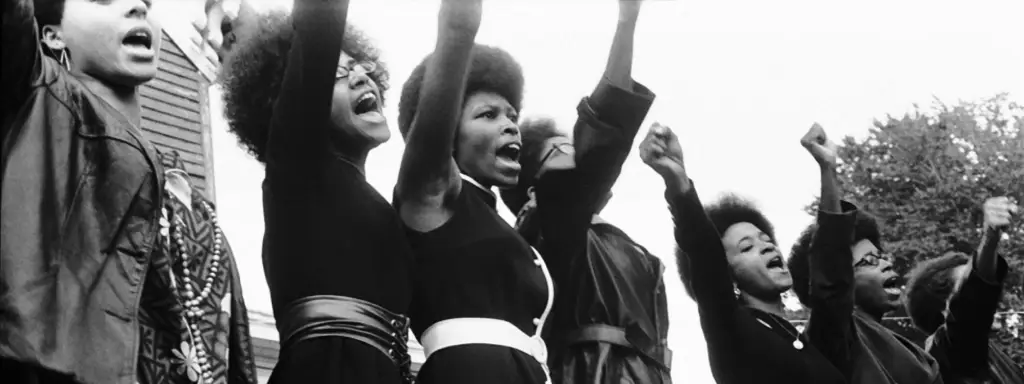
column 736, row 291
column 64, row 60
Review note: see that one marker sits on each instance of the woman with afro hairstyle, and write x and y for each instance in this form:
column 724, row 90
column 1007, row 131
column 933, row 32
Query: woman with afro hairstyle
column 840, row 272
column 81, row 188
column 609, row 323
column 729, row 260
column 304, row 95
column 481, row 294
column 954, row 298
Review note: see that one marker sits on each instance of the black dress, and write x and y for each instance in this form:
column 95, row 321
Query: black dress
column 476, row 265
column 328, row 231
column 745, row 346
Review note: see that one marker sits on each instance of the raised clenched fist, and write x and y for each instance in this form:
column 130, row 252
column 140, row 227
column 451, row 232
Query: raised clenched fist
column 661, row 151
column 820, row 147
column 999, row 211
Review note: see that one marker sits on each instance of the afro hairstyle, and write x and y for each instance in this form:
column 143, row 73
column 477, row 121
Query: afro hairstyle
column 866, row 227
column 929, row 287
column 254, row 69
column 492, row 69
column 534, row 132
column 724, row 213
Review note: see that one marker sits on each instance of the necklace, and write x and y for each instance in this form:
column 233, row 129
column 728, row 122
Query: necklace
column 196, row 359
column 799, row 345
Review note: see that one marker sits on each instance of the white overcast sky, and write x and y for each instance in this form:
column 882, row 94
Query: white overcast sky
column 739, row 80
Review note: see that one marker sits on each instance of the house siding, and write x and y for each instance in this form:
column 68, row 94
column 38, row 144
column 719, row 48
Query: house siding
column 175, row 115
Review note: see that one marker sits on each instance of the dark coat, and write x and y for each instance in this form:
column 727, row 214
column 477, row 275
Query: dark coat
column 81, row 204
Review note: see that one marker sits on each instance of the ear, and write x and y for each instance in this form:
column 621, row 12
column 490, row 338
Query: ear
column 53, row 38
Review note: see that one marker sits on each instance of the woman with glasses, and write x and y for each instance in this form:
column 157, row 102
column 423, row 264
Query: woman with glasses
column 839, row 264
column 305, row 94
column 610, row 320
column 729, row 261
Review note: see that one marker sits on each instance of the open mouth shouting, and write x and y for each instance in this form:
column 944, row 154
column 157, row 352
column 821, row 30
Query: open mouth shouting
column 508, row 154
column 893, row 286
column 367, row 106
column 139, row 42
column 776, row 264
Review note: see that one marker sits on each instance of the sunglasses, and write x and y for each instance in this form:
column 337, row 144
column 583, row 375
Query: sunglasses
column 365, row 66
column 872, row 260
column 563, row 148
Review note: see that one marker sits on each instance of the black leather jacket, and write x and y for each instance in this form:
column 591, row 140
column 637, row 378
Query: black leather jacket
column 80, row 211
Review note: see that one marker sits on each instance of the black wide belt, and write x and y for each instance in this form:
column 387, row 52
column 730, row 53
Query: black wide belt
column 660, row 355
column 339, row 316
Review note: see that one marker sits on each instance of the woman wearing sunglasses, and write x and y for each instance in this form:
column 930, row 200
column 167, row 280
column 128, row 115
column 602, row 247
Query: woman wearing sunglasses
column 731, row 265
column 610, row 320
column 304, row 94
column 839, row 264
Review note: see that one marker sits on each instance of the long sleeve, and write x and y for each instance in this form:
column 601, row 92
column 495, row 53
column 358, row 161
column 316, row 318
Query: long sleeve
column 710, row 280
column 830, row 328
column 242, row 364
column 22, row 57
column 961, row 344
column 298, row 135
column 607, row 123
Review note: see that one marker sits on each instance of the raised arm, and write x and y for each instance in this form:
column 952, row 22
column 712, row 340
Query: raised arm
column 962, row 341
column 831, row 260
column 22, row 58
column 428, row 172
column 302, row 113
column 607, row 123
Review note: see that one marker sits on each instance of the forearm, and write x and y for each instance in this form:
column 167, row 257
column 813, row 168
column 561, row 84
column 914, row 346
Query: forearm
column 986, row 262
column 429, row 144
column 969, row 319
column 302, row 110
column 830, row 201
column 619, row 69
column 701, row 248
column 831, row 283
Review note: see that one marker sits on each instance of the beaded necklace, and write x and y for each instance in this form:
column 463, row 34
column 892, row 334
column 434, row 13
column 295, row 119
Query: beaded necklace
column 193, row 351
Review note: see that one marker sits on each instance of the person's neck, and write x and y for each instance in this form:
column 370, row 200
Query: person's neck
column 356, row 157
column 124, row 99
column 773, row 306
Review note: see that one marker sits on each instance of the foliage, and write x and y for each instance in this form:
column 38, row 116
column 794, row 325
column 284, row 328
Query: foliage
column 927, row 174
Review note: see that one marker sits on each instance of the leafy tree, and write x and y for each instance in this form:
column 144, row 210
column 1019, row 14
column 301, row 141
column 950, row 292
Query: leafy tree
column 926, row 175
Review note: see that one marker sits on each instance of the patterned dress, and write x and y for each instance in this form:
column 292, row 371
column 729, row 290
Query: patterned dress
column 167, row 349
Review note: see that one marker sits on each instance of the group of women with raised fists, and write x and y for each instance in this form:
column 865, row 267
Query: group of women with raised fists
column 562, row 296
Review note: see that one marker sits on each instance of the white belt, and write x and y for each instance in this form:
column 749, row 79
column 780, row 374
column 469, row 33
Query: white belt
column 476, row 330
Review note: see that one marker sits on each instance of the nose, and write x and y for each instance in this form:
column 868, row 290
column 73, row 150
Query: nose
column 510, row 129
column 769, row 248
column 885, row 265
column 357, row 78
column 140, row 9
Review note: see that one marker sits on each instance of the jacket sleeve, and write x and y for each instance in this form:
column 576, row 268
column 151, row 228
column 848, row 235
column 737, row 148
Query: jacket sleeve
column 964, row 337
column 830, row 328
column 302, row 112
column 607, row 123
column 710, row 280
column 22, row 57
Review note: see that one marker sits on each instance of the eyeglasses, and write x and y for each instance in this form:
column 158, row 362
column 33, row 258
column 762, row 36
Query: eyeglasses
column 871, row 260
column 564, row 148
column 343, row 71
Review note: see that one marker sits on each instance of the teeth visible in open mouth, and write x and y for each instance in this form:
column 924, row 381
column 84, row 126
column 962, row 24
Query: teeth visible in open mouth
column 510, row 151
column 775, row 262
column 140, row 38
column 366, row 103
column 895, row 291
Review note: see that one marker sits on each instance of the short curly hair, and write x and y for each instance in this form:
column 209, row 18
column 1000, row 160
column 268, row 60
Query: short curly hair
column 866, row 227
column 492, row 69
column 534, row 132
column 929, row 287
column 254, row 69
